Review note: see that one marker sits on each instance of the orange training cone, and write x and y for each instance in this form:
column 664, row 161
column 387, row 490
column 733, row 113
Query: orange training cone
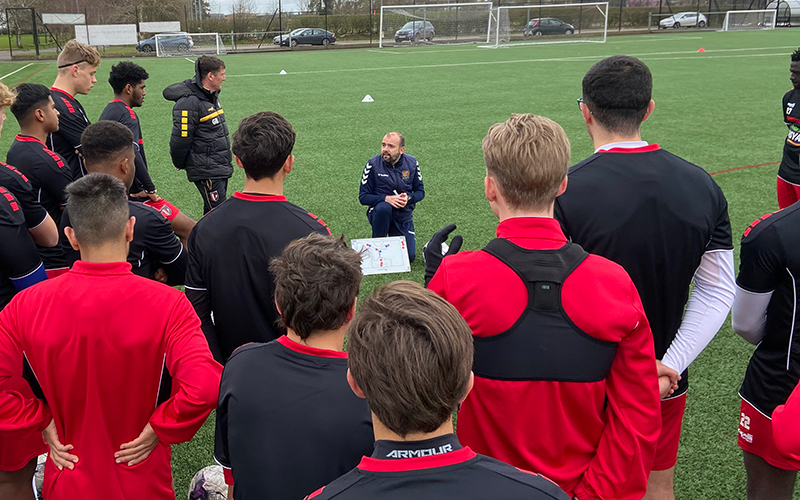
column 701, row 49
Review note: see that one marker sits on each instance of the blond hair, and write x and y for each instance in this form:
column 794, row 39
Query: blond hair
column 7, row 95
column 528, row 157
column 75, row 52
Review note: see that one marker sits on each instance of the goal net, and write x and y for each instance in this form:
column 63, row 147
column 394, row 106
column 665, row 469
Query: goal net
column 554, row 23
column 435, row 24
column 749, row 20
column 187, row 44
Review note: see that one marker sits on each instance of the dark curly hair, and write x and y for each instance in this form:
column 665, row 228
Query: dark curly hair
column 125, row 73
column 796, row 55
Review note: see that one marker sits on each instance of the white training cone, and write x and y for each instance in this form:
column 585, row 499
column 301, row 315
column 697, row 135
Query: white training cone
column 367, row 98
column 283, row 72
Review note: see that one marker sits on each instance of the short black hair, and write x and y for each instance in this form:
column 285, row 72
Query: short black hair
column 618, row 90
column 124, row 73
column 30, row 97
column 796, row 55
column 98, row 208
column 103, row 141
column 209, row 64
column 262, row 142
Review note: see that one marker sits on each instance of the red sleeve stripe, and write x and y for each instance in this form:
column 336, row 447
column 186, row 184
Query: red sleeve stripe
column 309, row 497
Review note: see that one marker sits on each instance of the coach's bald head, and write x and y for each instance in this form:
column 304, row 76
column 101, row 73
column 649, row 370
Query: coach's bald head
column 107, row 148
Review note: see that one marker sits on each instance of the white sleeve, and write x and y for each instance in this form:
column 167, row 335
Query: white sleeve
column 749, row 314
column 706, row 310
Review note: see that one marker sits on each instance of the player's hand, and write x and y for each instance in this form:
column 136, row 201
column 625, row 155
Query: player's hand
column 154, row 197
column 59, row 453
column 396, row 201
column 139, row 449
column 432, row 252
column 161, row 275
column 667, row 379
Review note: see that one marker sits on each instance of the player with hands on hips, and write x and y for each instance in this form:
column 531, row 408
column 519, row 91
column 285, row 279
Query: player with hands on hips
column 391, row 186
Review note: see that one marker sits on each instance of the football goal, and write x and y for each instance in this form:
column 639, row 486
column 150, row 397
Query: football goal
column 187, row 44
column 435, row 23
column 550, row 23
column 749, row 20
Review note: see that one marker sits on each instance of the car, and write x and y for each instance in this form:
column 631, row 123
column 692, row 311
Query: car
column 308, row 36
column 179, row 41
column 547, row 26
column 413, row 31
column 685, row 19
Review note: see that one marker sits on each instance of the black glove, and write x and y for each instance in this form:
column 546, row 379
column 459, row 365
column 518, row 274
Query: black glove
column 432, row 252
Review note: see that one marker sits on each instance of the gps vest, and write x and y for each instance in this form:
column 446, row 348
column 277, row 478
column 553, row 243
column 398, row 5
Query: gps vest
column 543, row 344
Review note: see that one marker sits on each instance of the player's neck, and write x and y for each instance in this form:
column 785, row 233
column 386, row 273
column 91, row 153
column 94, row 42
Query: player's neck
column 33, row 131
column 123, row 98
column 64, row 83
column 331, row 340
column 267, row 185
column 384, row 433
column 601, row 137
column 503, row 211
column 110, row 252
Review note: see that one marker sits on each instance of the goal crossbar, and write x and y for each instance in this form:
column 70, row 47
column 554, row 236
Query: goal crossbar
column 488, row 6
column 597, row 5
column 726, row 23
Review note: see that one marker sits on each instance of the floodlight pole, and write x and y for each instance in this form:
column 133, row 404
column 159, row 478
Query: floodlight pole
column 35, row 32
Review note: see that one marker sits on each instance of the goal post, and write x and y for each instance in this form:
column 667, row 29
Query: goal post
column 550, row 23
column 444, row 23
column 763, row 19
column 187, row 44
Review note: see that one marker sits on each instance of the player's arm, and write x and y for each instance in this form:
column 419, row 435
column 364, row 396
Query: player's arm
column 195, row 374
column 142, row 175
column 760, row 264
column 366, row 193
column 417, row 187
column 558, row 214
column 185, row 119
column 71, row 126
column 162, row 243
column 54, row 176
column 786, row 432
column 221, row 451
column 19, row 259
column 197, row 293
column 621, row 466
column 41, row 226
column 711, row 298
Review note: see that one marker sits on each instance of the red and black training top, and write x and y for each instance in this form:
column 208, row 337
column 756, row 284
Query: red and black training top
column 18, row 256
column 72, row 121
column 228, row 270
column 118, row 111
column 437, row 468
column 20, row 186
column 769, row 262
column 283, row 408
column 790, row 162
column 49, row 176
column 654, row 214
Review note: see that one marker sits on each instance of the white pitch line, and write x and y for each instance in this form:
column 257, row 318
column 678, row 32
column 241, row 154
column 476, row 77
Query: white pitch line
column 648, row 55
column 189, row 60
column 381, row 51
column 17, row 71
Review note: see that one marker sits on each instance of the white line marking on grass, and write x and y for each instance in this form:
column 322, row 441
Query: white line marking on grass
column 382, row 51
column 687, row 55
column 17, row 71
column 189, row 60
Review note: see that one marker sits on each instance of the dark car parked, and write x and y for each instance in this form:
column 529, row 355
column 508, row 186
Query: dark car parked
column 308, row 36
column 548, row 26
column 413, row 31
column 181, row 42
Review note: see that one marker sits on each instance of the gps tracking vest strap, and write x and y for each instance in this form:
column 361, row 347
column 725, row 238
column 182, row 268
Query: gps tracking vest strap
column 543, row 344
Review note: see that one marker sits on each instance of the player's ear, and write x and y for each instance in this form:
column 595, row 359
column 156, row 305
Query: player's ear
column 278, row 308
column 73, row 241
column 650, row 108
column 586, row 112
column 238, row 161
column 129, row 228
column 563, row 187
column 490, row 188
column 352, row 312
column 470, row 384
column 356, row 389
column 288, row 164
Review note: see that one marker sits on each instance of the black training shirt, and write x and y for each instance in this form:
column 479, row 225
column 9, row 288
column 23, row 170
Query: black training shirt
column 654, row 214
column 228, row 270
column 72, row 121
column 769, row 262
column 154, row 245
column 18, row 256
column 49, row 176
column 790, row 162
column 437, row 468
column 20, row 186
column 118, row 111
column 287, row 421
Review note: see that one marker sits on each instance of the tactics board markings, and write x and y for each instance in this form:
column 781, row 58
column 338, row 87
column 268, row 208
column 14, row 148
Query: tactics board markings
column 382, row 255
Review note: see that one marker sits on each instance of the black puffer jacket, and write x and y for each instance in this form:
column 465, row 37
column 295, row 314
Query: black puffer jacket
column 200, row 142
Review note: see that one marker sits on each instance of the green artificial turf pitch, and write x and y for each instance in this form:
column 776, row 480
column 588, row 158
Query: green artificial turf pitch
column 720, row 109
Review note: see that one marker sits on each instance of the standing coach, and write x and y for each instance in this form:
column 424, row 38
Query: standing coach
column 391, row 186
column 200, row 143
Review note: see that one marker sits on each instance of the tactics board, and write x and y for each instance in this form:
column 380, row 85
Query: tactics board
column 383, row 255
